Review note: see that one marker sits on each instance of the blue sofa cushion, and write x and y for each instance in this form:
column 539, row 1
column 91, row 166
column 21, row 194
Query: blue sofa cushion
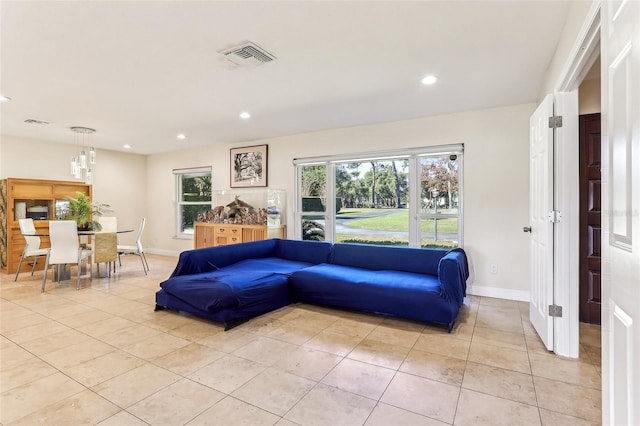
column 211, row 258
column 453, row 271
column 376, row 258
column 403, row 294
column 224, row 289
column 303, row 251
column 266, row 265
column 236, row 285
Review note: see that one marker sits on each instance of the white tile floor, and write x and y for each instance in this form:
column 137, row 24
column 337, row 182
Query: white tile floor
column 101, row 355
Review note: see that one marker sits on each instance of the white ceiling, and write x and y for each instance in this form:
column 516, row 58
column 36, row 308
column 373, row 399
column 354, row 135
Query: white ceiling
column 140, row 72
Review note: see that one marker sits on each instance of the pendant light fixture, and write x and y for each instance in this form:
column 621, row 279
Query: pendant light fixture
column 80, row 162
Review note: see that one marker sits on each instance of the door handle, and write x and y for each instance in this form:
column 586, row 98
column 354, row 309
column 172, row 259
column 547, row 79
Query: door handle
column 526, row 229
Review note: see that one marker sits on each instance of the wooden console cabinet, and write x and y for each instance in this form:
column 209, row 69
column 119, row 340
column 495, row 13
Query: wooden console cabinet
column 215, row 234
column 29, row 198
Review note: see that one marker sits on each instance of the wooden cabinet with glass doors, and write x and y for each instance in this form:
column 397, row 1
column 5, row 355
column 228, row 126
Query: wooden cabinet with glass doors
column 41, row 200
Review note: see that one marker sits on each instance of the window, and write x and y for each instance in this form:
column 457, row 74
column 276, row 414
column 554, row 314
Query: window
column 439, row 200
column 402, row 198
column 313, row 201
column 193, row 197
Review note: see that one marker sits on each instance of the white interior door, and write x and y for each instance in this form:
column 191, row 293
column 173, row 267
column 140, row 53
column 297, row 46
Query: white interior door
column 541, row 229
column 620, row 43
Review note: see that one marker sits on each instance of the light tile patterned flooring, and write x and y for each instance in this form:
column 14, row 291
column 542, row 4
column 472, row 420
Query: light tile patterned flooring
column 101, row 355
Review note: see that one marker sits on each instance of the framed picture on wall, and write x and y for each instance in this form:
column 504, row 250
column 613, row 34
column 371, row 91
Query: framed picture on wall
column 249, row 166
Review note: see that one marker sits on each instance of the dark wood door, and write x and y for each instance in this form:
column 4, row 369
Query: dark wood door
column 590, row 291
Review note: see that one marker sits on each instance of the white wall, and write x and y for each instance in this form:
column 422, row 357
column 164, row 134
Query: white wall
column 573, row 24
column 119, row 178
column 496, row 179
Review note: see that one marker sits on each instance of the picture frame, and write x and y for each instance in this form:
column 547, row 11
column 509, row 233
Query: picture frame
column 248, row 166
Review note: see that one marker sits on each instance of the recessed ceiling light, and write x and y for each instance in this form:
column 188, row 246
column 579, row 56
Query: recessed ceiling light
column 181, row 136
column 126, row 146
column 429, row 79
column 4, row 98
column 245, row 115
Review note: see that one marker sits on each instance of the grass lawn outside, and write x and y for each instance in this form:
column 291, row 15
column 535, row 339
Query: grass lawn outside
column 393, row 220
column 398, row 222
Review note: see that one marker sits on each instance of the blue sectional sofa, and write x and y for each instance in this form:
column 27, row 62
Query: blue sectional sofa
column 233, row 283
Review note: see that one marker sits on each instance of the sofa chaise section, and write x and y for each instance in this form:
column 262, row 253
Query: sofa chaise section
column 233, row 283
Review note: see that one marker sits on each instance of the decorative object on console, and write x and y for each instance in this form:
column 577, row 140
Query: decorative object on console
column 248, row 166
column 248, row 207
column 236, row 212
column 82, row 162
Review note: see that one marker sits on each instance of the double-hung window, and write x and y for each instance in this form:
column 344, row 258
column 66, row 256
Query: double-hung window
column 193, row 195
column 407, row 197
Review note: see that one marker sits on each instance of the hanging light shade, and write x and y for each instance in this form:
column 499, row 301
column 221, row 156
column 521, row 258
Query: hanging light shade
column 72, row 169
column 80, row 162
column 77, row 171
column 83, row 159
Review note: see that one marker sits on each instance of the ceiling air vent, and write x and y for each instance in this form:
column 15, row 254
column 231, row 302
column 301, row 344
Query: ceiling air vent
column 248, row 55
column 34, row 121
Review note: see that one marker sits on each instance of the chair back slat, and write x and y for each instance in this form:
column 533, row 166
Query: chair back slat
column 27, row 226
column 64, row 241
column 108, row 223
column 139, row 236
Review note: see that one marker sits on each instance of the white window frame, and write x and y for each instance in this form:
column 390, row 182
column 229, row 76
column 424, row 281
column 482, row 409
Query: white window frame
column 413, row 155
column 179, row 203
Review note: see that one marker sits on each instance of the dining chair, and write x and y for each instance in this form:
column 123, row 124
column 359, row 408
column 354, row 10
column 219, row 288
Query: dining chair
column 136, row 249
column 31, row 247
column 108, row 223
column 65, row 248
column 105, row 251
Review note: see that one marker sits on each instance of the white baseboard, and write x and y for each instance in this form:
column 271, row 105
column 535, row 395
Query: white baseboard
column 171, row 253
column 499, row 293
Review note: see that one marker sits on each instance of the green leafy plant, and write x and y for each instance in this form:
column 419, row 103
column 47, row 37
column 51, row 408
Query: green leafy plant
column 84, row 211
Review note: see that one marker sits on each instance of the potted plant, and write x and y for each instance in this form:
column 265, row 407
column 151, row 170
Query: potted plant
column 83, row 211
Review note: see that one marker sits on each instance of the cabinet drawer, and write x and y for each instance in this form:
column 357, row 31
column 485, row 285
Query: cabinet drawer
column 234, row 239
column 223, row 240
column 228, row 230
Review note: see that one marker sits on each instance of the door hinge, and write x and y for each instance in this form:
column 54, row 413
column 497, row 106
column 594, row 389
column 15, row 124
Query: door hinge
column 555, row 311
column 554, row 216
column 555, row 121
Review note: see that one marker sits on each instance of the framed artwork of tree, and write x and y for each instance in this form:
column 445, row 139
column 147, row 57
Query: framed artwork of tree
column 249, row 166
